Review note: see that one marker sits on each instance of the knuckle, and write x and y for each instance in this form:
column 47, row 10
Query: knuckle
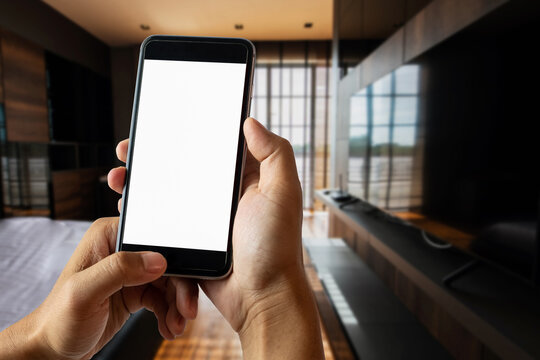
column 120, row 263
column 285, row 144
column 99, row 224
column 284, row 147
column 107, row 226
column 73, row 294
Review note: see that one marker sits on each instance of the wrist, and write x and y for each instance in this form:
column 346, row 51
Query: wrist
column 23, row 340
column 283, row 318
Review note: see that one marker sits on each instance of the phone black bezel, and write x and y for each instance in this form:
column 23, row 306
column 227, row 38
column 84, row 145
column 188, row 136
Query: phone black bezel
column 182, row 261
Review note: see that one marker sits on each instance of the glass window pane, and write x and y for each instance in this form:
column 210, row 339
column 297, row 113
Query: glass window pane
column 402, row 167
column 377, row 193
column 320, row 78
column 381, row 110
column 400, row 193
column 275, row 113
column 356, row 169
column 299, row 164
column 259, row 81
column 401, row 187
column 285, row 111
column 358, row 141
column 298, row 111
column 405, row 110
column 309, row 74
column 286, row 80
column 298, row 77
column 358, row 110
column 357, row 190
column 380, row 137
column 320, row 113
column 275, row 80
column 261, row 108
column 407, row 79
column 297, row 139
column 404, row 140
column 357, row 153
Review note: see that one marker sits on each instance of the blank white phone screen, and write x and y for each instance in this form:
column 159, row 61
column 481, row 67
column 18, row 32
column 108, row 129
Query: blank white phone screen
column 184, row 155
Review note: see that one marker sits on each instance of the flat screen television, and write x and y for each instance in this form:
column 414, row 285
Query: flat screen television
column 450, row 141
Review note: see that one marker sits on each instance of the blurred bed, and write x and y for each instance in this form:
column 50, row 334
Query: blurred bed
column 33, row 252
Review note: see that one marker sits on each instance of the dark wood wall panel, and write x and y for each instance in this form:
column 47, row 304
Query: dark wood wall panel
column 25, row 92
column 440, row 20
column 1, row 76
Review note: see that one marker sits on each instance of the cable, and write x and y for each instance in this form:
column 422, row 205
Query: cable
column 434, row 244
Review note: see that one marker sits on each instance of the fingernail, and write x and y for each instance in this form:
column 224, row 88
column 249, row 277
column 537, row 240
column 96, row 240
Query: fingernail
column 153, row 262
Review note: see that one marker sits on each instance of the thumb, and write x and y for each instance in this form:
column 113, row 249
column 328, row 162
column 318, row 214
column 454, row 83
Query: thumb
column 119, row 270
column 278, row 167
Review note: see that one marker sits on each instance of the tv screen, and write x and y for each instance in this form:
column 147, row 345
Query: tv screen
column 450, row 141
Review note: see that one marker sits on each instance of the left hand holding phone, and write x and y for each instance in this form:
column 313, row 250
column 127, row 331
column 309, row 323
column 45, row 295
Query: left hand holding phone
column 95, row 295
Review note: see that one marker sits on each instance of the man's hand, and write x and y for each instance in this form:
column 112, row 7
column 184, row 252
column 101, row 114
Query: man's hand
column 266, row 299
column 94, row 296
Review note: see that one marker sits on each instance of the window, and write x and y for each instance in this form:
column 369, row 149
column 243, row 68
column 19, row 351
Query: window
column 291, row 98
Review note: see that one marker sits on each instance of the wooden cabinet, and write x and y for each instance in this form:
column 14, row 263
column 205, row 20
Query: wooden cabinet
column 74, row 193
column 25, row 92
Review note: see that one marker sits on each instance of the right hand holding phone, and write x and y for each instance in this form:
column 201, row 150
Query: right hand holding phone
column 267, row 288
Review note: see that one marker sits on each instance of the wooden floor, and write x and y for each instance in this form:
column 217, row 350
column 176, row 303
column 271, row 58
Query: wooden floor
column 210, row 336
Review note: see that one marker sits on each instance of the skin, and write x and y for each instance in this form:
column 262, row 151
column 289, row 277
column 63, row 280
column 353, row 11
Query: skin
column 266, row 298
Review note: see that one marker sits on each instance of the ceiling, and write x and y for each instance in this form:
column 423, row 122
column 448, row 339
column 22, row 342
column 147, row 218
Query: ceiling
column 118, row 22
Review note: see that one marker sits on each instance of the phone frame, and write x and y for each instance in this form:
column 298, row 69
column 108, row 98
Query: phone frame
column 206, row 264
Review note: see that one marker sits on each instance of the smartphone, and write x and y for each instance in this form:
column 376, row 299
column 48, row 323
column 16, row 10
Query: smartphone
column 187, row 151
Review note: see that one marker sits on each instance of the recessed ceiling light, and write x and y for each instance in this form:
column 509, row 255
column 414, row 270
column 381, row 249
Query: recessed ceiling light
column 239, row 26
column 145, row 27
column 308, row 25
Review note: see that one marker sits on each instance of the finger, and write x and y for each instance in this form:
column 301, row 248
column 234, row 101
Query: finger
column 154, row 300
column 176, row 323
column 186, row 297
column 116, row 271
column 278, row 167
column 122, row 149
column 120, row 205
column 117, row 178
column 98, row 242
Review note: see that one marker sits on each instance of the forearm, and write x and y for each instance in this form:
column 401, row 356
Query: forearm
column 284, row 326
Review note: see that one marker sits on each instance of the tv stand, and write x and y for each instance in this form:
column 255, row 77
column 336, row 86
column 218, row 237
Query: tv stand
column 486, row 314
column 348, row 202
